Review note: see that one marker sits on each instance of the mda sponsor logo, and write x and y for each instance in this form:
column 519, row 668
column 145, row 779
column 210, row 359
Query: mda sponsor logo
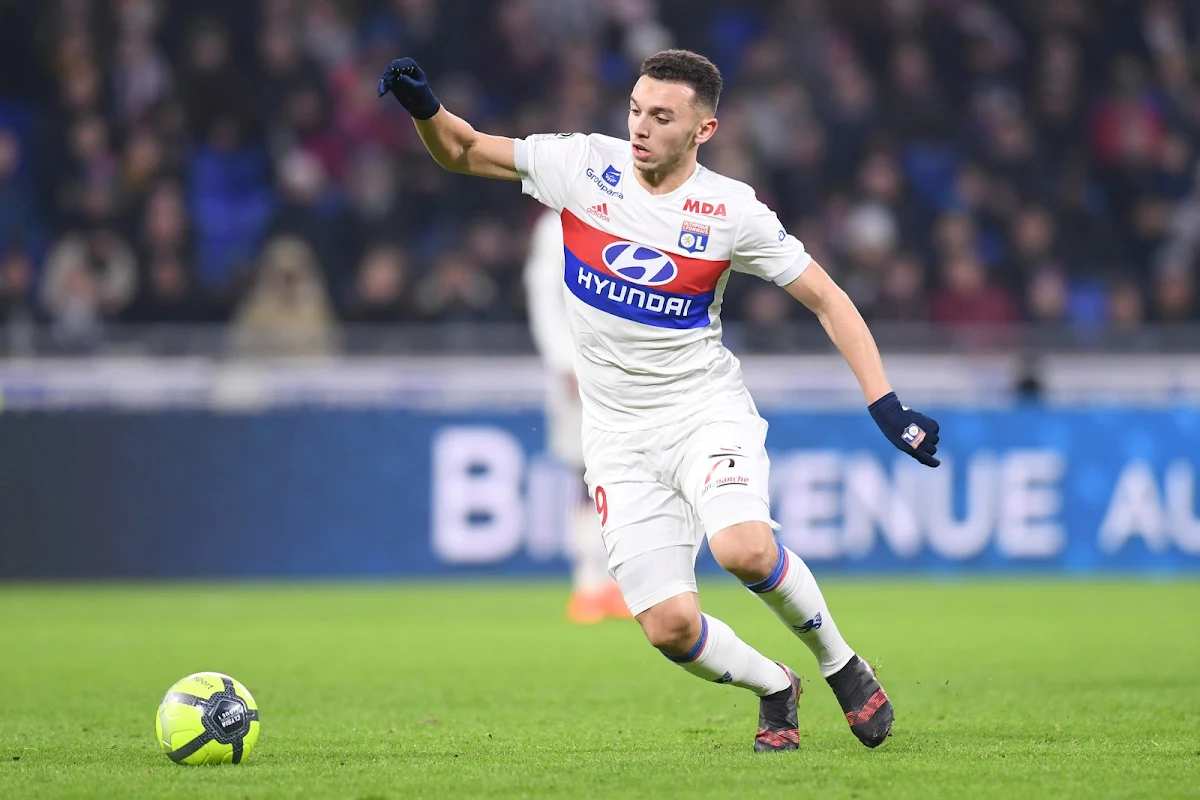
column 703, row 208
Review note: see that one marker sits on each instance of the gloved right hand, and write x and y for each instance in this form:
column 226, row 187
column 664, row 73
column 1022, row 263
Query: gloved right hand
column 910, row 431
column 405, row 79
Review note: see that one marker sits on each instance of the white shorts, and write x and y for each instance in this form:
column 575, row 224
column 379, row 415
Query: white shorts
column 655, row 490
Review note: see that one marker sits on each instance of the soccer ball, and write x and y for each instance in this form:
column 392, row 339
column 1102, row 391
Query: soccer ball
column 207, row 718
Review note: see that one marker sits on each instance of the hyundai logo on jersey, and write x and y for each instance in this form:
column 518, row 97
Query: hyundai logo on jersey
column 637, row 282
column 639, row 264
column 612, row 176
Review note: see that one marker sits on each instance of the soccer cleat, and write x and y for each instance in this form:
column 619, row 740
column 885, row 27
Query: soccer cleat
column 587, row 607
column 778, row 728
column 863, row 701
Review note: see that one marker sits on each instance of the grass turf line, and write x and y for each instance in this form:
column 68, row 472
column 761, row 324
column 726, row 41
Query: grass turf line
column 1002, row 689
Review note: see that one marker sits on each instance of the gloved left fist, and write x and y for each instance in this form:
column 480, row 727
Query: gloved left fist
column 405, row 79
column 914, row 433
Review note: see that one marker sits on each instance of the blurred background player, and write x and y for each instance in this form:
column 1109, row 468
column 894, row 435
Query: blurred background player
column 595, row 595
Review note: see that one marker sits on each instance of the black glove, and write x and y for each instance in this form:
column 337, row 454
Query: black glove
column 914, row 433
column 406, row 80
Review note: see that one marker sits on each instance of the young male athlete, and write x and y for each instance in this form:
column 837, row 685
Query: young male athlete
column 595, row 595
column 673, row 444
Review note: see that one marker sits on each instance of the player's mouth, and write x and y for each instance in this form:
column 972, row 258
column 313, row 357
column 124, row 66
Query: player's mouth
column 640, row 152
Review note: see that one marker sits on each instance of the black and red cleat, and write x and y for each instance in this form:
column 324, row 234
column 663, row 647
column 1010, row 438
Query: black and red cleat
column 778, row 728
column 863, row 701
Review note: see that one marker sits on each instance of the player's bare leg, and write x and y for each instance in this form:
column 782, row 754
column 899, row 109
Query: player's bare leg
column 709, row 649
column 595, row 596
column 784, row 582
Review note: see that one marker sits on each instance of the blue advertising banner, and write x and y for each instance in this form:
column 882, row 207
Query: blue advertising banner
column 394, row 493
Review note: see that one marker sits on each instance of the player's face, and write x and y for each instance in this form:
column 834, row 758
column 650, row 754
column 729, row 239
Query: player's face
column 665, row 124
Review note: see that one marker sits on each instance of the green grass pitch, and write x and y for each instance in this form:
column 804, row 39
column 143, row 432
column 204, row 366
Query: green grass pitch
column 1004, row 689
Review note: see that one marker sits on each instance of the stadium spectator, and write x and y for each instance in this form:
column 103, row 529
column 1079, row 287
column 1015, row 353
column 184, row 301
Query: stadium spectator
column 381, row 289
column 17, row 304
column 98, row 268
column 1127, row 307
column 1054, row 148
column 167, row 295
column 457, row 290
column 968, row 297
column 19, row 219
column 902, row 293
column 310, row 206
column 288, row 312
column 1175, row 291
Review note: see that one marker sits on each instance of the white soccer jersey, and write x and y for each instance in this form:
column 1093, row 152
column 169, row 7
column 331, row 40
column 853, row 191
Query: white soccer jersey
column 644, row 275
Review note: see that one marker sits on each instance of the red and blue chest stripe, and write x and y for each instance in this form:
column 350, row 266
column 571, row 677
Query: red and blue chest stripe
column 635, row 281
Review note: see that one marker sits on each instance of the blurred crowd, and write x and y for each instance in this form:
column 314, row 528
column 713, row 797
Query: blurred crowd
column 950, row 161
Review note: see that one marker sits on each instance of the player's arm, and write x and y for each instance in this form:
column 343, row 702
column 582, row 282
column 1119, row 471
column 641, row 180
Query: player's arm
column 765, row 249
column 458, row 147
column 910, row 431
column 846, row 328
column 451, row 140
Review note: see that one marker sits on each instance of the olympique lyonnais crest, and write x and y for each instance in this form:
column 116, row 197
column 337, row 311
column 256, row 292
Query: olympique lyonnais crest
column 694, row 237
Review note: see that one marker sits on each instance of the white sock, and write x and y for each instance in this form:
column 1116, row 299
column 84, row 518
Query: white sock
column 589, row 559
column 792, row 593
column 721, row 657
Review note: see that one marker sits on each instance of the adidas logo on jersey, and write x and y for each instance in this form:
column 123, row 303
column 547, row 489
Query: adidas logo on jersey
column 599, row 211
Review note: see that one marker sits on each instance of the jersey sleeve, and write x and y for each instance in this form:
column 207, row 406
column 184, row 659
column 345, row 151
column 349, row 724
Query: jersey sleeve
column 765, row 249
column 544, row 294
column 548, row 163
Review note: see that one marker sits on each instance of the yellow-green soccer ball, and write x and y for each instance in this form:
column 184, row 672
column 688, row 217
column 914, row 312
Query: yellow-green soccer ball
column 207, row 718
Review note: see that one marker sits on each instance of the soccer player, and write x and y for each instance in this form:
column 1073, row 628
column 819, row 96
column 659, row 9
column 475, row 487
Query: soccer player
column 595, row 594
column 674, row 447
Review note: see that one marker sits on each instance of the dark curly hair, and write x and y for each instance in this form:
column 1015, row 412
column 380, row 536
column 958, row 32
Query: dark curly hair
column 692, row 69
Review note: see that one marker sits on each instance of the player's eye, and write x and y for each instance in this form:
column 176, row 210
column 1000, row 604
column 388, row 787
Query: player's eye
column 662, row 120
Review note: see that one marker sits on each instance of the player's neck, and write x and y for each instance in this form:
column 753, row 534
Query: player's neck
column 666, row 181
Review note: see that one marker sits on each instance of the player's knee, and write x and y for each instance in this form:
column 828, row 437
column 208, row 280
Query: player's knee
column 747, row 549
column 673, row 625
column 672, row 634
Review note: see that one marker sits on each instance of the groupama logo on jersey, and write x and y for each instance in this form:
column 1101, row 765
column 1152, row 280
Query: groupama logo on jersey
column 640, row 264
column 607, row 182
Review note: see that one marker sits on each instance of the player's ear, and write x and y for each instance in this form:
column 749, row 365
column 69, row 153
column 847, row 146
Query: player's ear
column 708, row 126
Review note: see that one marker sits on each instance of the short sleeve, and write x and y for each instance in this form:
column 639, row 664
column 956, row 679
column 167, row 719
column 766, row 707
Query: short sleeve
column 548, row 163
column 765, row 249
